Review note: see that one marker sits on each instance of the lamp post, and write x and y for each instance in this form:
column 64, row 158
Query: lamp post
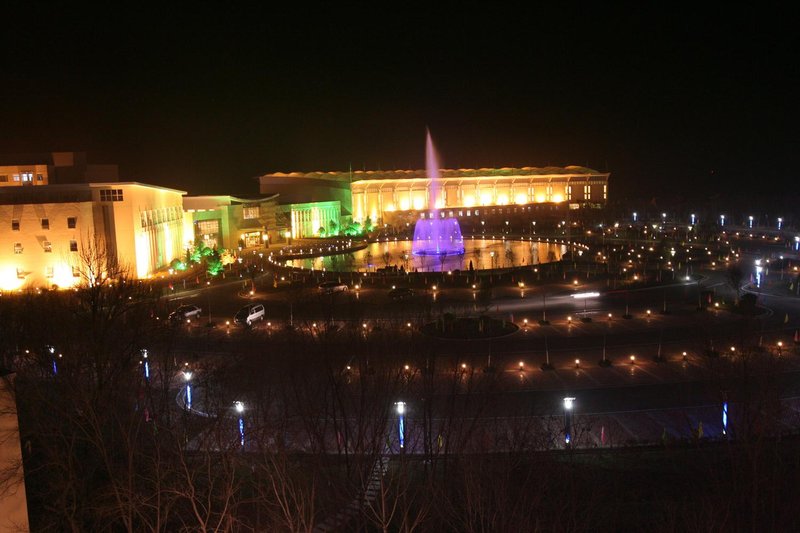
column 187, row 377
column 52, row 352
column 544, row 321
column 401, row 429
column 568, row 405
column 239, row 406
column 780, row 223
column 722, row 220
column 725, row 413
column 146, row 364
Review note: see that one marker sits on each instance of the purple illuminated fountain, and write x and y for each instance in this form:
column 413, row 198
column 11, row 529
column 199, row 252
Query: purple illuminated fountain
column 437, row 235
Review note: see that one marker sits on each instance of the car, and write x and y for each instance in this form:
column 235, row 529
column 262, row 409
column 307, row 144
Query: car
column 249, row 314
column 400, row 293
column 329, row 287
column 185, row 311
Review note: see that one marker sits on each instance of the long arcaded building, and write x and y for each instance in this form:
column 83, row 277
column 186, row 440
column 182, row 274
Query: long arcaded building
column 389, row 196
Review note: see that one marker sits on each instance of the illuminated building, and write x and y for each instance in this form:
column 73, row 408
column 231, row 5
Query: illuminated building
column 52, row 168
column 392, row 196
column 43, row 230
column 225, row 221
column 312, row 219
column 13, row 504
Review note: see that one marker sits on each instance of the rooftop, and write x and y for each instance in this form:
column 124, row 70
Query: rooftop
column 444, row 173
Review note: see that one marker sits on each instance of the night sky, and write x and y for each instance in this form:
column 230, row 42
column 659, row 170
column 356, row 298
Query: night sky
column 205, row 99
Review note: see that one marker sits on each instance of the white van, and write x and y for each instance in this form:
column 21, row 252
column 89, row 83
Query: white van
column 249, row 314
column 329, row 287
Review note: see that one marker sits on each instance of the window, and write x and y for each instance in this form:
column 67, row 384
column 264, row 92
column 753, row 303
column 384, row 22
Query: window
column 17, row 247
column 73, row 246
column 4, row 178
column 72, row 222
column 110, row 195
column 45, row 223
column 16, row 177
column 48, row 246
column 27, row 177
column 39, row 177
column 76, row 273
column 15, row 225
column 20, row 273
column 569, row 192
column 48, row 272
column 208, row 226
column 250, row 212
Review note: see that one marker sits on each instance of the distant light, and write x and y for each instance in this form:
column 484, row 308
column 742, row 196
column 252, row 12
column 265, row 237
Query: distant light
column 401, row 408
column 586, row 295
column 239, row 406
column 568, row 403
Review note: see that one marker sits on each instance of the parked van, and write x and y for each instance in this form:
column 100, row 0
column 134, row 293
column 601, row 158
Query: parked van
column 249, row 314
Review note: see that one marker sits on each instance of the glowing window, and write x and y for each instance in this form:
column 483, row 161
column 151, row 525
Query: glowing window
column 48, row 246
column 250, row 212
column 48, row 272
column 73, row 246
column 76, row 273
column 27, row 177
column 17, row 247
column 111, row 195
column 20, row 274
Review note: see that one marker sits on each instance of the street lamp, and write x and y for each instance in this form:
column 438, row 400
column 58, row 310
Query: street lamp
column 568, row 405
column 146, row 364
column 694, row 219
column 635, row 216
column 401, row 430
column 750, row 220
column 187, row 377
column 780, row 223
column 52, row 351
column 780, row 348
column 239, row 406
column 722, row 220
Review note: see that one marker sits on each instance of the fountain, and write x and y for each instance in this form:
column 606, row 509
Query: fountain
column 438, row 236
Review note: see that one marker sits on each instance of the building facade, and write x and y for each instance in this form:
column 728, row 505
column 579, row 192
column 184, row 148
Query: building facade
column 228, row 222
column 44, row 230
column 393, row 197
column 312, row 219
column 387, row 196
column 52, row 168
